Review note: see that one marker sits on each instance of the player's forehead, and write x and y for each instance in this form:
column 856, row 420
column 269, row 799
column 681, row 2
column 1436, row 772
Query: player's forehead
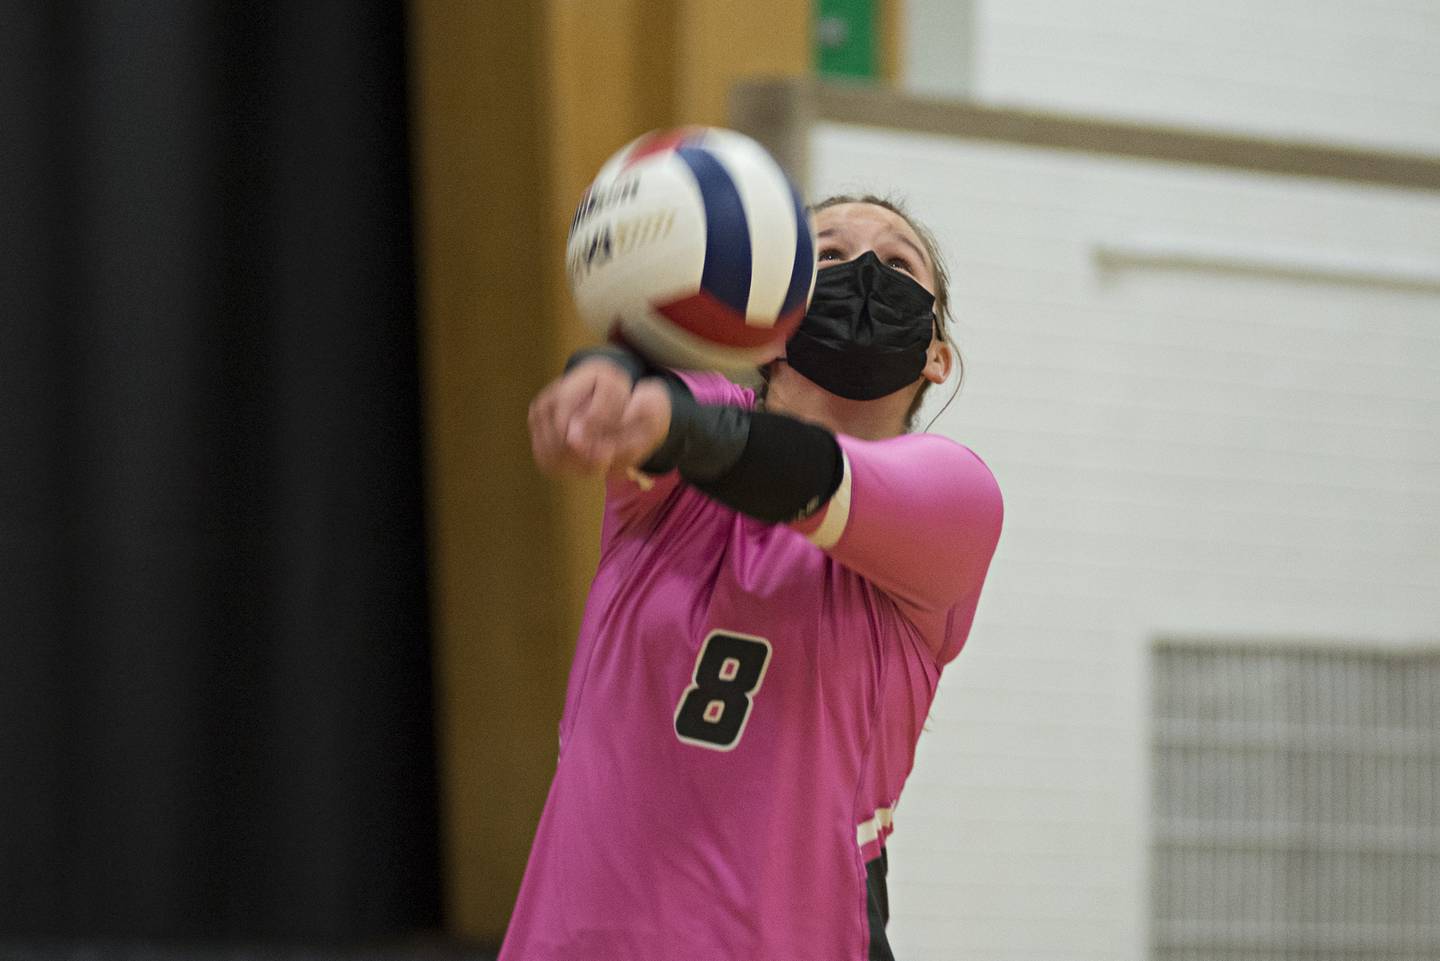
column 867, row 224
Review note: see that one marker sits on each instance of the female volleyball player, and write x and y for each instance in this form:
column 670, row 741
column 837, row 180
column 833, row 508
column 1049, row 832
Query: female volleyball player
column 780, row 584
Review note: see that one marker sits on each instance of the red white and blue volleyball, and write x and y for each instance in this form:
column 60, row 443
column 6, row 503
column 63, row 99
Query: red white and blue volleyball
column 693, row 247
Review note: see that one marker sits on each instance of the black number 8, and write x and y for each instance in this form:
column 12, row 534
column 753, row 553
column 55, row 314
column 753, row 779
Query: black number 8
column 713, row 710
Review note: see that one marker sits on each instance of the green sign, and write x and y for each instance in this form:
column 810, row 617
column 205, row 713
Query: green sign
column 845, row 41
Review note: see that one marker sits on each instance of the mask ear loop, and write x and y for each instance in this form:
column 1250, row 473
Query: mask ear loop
column 762, row 392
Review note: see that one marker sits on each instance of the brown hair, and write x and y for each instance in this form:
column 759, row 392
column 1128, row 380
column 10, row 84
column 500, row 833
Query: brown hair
column 942, row 283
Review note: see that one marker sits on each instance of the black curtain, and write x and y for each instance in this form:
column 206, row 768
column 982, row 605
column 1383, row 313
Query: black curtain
column 215, row 698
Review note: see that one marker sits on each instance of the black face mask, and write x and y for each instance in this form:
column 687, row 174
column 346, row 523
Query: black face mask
column 867, row 330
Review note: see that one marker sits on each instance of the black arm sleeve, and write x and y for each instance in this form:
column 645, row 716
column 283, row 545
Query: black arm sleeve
column 628, row 361
column 772, row 467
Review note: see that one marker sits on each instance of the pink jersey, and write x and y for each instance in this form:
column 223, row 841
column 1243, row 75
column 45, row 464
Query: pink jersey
column 743, row 709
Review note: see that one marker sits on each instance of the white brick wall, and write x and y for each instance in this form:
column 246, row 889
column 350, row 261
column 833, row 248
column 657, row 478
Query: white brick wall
column 1183, row 452
column 1360, row 73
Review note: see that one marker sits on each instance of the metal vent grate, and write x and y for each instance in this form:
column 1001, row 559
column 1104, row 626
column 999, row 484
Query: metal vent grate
column 1296, row 804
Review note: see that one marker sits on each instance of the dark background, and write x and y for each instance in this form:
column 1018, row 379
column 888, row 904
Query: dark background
column 215, row 699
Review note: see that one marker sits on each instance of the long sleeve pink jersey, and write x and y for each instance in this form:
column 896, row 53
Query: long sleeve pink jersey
column 743, row 709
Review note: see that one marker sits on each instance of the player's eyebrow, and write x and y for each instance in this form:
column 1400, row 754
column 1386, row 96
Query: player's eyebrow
column 897, row 235
column 912, row 245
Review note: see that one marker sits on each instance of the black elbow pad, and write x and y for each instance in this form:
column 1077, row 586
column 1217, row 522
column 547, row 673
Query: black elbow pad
column 787, row 471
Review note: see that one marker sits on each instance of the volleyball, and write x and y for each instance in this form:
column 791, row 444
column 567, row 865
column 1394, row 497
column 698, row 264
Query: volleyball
column 693, row 247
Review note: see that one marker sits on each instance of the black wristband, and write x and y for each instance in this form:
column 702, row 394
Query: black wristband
column 628, row 361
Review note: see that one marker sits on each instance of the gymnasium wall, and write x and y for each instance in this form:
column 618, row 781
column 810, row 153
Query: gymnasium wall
column 1362, row 73
column 1211, row 399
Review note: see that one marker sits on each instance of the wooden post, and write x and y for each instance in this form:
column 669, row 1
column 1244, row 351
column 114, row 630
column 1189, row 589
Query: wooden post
column 516, row 105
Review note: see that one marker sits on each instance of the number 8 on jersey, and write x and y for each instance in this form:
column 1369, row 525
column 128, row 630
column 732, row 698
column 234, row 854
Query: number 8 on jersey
column 714, row 708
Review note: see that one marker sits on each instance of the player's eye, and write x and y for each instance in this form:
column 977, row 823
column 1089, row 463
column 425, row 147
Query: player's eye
column 900, row 263
column 829, row 253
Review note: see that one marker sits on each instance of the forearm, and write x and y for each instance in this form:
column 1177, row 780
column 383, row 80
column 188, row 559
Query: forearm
column 768, row 466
